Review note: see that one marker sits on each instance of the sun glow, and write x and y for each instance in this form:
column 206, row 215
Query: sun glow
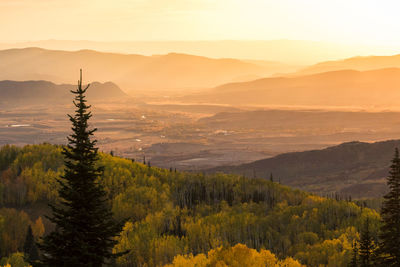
column 369, row 22
column 342, row 28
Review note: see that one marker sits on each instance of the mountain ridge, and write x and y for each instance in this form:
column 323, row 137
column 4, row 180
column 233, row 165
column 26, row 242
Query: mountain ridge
column 334, row 88
column 361, row 63
column 41, row 92
column 282, row 50
column 130, row 71
column 343, row 169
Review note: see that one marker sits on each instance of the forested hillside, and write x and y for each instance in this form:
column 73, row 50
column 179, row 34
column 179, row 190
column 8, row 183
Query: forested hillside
column 356, row 169
column 202, row 218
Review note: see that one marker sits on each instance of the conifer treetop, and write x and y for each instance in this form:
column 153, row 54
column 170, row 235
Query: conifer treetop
column 85, row 230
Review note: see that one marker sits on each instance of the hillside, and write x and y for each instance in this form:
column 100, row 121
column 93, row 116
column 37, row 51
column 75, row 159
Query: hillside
column 44, row 92
column 375, row 88
column 355, row 168
column 355, row 63
column 131, row 72
column 173, row 213
column 299, row 121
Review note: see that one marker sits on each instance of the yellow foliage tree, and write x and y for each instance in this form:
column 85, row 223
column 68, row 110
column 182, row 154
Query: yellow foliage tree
column 14, row 260
column 238, row 256
column 38, row 228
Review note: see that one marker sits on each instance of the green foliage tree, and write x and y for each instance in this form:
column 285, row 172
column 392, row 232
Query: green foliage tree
column 354, row 256
column 30, row 248
column 13, row 227
column 367, row 245
column 85, row 230
column 389, row 248
column 7, row 155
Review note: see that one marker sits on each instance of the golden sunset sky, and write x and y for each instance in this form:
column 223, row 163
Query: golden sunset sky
column 374, row 24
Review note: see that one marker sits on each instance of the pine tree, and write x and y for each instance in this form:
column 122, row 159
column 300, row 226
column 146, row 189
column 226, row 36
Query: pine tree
column 367, row 245
column 31, row 252
column 389, row 247
column 85, row 230
column 354, row 256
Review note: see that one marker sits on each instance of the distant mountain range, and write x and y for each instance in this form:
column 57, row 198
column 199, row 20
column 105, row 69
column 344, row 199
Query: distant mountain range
column 44, row 92
column 356, row 168
column 131, row 72
column 374, row 88
column 289, row 51
column 353, row 63
column 353, row 81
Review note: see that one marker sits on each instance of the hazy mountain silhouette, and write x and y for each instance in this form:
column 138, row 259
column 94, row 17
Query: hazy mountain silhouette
column 44, row 92
column 338, row 88
column 131, row 72
column 354, row 63
column 296, row 52
column 354, row 168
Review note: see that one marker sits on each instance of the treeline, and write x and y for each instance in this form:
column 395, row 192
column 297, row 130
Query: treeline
column 176, row 213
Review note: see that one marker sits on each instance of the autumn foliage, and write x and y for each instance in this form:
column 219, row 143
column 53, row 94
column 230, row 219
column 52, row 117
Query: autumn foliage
column 238, row 256
column 172, row 213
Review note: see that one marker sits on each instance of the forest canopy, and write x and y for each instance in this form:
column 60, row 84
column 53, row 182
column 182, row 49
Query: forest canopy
column 176, row 217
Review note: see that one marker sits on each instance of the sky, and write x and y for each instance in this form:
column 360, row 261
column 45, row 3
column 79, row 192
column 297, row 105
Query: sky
column 367, row 22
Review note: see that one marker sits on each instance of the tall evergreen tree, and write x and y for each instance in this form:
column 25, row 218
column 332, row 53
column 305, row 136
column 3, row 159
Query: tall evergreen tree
column 367, row 245
column 354, row 256
column 31, row 252
column 85, row 229
column 389, row 247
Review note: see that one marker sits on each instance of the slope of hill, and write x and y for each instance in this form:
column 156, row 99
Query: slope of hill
column 170, row 213
column 355, row 168
column 302, row 121
column 44, row 92
column 354, row 63
column 375, row 88
column 131, row 72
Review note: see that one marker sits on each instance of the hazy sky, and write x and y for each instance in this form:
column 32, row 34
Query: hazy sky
column 375, row 22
